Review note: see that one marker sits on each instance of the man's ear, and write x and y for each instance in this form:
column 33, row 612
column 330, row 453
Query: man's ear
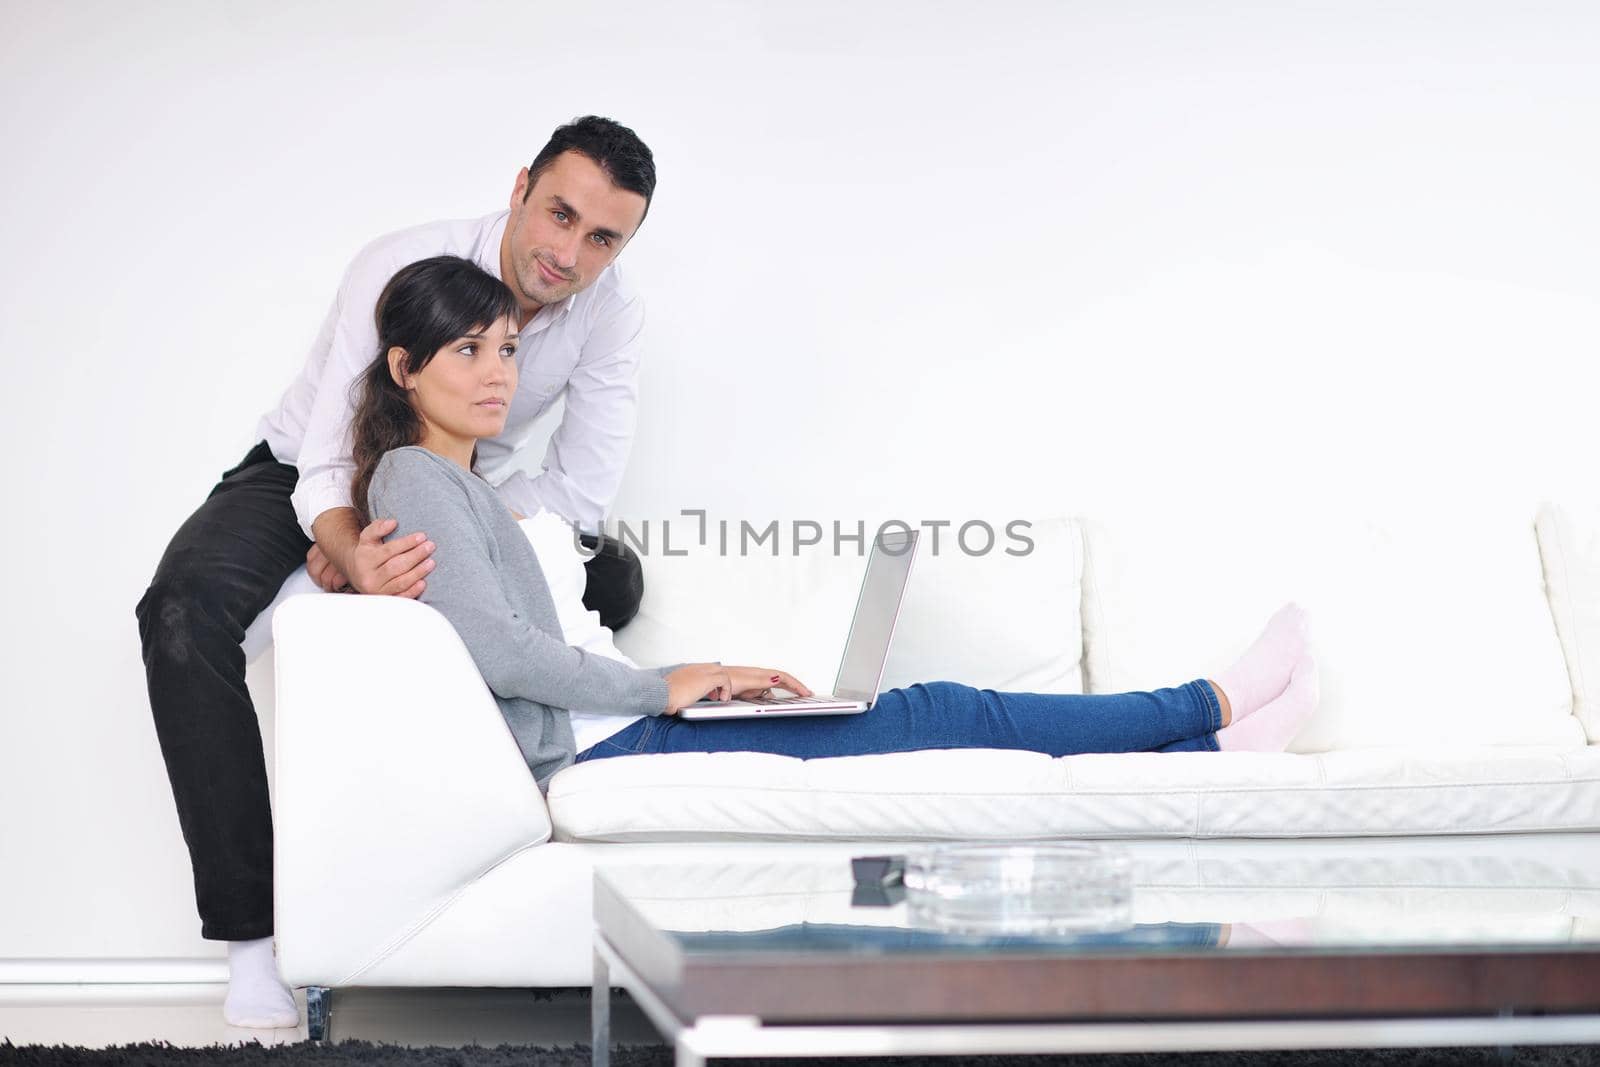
column 397, row 367
column 520, row 190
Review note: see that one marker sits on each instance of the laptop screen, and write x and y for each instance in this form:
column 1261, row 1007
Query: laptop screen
column 867, row 647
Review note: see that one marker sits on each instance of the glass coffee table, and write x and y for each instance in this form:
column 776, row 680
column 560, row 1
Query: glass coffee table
column 1227, row 945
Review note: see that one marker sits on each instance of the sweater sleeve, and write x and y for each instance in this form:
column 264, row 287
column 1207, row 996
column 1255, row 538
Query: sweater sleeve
column 515, row 657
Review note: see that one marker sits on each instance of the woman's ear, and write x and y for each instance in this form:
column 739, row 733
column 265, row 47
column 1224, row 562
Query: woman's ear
column 397, row 367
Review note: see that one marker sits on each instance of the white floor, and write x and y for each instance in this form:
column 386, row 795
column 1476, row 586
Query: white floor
column 191, row 1016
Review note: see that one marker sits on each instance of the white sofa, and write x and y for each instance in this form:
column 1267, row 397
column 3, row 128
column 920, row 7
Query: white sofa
column 1458, row 649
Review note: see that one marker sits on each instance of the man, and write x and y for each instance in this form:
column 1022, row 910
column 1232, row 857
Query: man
column 573, row 209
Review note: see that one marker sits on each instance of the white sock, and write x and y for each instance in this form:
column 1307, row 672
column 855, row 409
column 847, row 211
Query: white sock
column 1272, row 727
column 1263, row 671
column 257, row 997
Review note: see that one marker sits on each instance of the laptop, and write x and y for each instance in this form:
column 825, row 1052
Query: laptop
column 866, row 650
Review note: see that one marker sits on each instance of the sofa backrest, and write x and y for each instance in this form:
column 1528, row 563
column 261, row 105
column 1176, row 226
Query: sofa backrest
column 997, row 619
column 1429, row 620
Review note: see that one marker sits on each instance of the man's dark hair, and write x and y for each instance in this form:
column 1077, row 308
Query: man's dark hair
column 612, row 147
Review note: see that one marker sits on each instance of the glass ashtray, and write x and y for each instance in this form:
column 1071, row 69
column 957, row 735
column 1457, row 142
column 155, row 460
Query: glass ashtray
column 1020, row 889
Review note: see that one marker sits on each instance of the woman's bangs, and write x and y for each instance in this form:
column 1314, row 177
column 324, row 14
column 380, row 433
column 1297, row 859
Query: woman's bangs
column 484, row 302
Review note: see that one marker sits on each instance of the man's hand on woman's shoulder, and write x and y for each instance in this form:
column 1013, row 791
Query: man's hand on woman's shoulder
column 395, row 568
column 344, row 558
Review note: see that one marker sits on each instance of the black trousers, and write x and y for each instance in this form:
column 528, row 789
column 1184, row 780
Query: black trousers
column 223, row 566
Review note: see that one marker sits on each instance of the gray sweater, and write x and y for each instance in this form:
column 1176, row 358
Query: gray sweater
column 486, row 580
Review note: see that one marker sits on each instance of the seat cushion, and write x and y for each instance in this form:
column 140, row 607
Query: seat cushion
column 1428, row 618
column 985, row 794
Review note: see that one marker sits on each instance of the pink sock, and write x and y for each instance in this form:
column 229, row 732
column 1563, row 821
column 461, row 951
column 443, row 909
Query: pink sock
column 1263, row 671
column 1272, row 727
column 1271, row 933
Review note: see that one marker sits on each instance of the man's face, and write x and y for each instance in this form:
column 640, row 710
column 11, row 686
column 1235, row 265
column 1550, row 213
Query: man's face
column 566, row 230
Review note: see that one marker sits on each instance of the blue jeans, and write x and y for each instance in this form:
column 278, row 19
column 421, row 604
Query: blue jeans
column 949, row 715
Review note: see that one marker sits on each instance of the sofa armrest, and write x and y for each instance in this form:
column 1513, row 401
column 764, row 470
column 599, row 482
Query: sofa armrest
column 398, row 781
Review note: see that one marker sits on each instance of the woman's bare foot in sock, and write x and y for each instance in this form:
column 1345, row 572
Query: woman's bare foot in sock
column 1256, row 678
column 257, row 998
column 1271, row 728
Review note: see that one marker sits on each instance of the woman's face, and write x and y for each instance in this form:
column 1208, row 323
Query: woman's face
column 465, row 390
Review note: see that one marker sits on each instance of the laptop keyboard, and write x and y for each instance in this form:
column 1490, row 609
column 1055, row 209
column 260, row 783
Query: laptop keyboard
column 783, row 700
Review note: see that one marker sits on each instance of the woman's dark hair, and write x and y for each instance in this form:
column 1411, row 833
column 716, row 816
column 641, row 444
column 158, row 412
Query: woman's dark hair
column 613, row 147
column 424, row 307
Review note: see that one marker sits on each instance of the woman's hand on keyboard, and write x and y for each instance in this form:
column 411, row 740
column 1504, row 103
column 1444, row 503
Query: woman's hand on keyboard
column 695, row 681
column 752, row 682
column 712, row 681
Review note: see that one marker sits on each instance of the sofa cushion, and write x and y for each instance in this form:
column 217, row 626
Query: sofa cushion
column 995, row 620
column 1428, row 619
column 986, row 794
column 1569, row 545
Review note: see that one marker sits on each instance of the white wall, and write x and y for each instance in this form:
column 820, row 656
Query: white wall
column 1005, row 258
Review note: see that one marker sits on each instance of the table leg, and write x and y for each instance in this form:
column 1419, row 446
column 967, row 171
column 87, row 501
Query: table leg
column 600, row 1014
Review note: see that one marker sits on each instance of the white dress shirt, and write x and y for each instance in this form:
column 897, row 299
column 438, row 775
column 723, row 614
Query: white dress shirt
column 587, row 345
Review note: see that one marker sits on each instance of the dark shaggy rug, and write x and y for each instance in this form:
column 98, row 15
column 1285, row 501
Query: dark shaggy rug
column 364, row 1052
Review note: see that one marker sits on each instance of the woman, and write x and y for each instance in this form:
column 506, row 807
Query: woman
column 444, row 379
